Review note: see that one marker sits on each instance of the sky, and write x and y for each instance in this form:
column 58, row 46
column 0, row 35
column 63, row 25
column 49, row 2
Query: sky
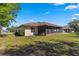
column 56, row 13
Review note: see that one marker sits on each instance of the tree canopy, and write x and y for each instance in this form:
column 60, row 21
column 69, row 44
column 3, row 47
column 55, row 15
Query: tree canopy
column 8, row 12
column 74, row 24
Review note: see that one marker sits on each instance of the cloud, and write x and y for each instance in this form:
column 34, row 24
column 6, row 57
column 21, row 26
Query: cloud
column 57, row 4
column 72, row 6
column 74, row 18
column 75, row 15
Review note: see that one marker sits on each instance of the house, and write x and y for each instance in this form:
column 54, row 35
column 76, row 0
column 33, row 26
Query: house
column 3, row 30
column 38, row 28
column 67, row 29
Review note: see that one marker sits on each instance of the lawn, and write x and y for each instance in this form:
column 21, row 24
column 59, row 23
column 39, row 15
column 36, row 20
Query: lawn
column 61, row 42
column 21, row 40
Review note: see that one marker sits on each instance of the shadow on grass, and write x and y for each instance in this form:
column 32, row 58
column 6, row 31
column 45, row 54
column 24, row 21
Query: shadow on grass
column 3, row 35
column 45, row 49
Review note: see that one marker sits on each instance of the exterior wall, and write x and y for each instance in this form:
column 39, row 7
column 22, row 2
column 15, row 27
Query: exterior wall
column 28, row 32
column 67, row 30
column 20, row 31
column 34, row 30
column 38, row 30
column 50, row 31
column 53, row 30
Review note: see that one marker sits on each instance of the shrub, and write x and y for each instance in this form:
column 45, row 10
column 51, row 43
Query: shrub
column 19, row 33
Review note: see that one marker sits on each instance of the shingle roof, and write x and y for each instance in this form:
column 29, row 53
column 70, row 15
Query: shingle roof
column 40, row 24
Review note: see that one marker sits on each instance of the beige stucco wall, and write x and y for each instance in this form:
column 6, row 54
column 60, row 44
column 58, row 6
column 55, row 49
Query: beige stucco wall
column 28, row 32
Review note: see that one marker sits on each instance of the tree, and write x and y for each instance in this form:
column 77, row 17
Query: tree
column 74, row 24
column 8, row 12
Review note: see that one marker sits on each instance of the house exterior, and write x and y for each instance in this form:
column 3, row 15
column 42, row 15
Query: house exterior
column 41, row 28
column 67, row 29
column 38, row 28
column 3, row 30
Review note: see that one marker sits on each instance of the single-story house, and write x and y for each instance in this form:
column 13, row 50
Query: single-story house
column 3, row 30
column 41, row 28
column 67, row 29
column 38, row 28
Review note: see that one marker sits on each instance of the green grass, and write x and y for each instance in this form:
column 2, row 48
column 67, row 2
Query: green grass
column 21, row 40
column 52, row 44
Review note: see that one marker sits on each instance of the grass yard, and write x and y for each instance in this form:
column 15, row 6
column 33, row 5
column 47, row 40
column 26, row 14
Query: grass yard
column 49, row 42
column 21, row 40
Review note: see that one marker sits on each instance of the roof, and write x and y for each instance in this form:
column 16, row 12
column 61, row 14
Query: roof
column 34, row 24
column 66, row 27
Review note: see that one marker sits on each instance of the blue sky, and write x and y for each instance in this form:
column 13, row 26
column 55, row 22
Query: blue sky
column 56, row 13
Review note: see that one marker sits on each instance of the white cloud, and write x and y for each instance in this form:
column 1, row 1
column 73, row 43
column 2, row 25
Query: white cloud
column 74, row 18
column 72, row 6
column 75, row 15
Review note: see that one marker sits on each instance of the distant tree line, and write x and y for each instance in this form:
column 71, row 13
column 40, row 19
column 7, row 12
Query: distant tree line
column 74, row 24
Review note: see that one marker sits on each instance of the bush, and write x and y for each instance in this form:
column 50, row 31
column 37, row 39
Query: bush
column 19, row 33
